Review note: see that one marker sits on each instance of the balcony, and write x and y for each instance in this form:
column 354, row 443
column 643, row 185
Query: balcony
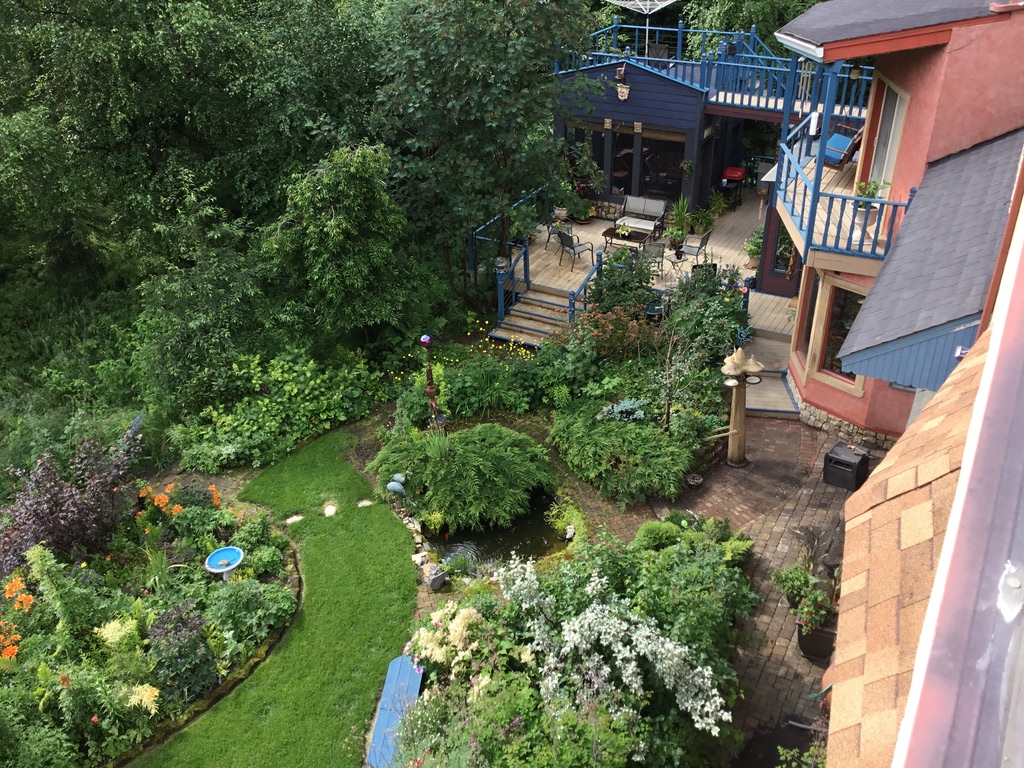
column 825, row 212
column 732, row 69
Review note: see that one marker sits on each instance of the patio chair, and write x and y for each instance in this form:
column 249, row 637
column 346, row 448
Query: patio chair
column 571, row 245
column 695, row 248
column 842, row 144
column 657, row 50
column 554, row 227
column 654, row 253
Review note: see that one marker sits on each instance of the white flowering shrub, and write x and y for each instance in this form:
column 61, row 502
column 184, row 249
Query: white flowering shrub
column 586, row 663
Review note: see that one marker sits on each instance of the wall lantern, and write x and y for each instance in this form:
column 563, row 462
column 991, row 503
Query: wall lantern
column 856, row 72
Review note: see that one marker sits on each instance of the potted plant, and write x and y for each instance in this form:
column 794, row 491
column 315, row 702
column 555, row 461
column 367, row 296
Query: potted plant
column 866, row 212
column 680, row 226
column 701, row 221
column 753, row 246
column 795, row 581
column 686, row 166
column 812, row 601
column 717, row 203
column 815, row 617
column 623, row 231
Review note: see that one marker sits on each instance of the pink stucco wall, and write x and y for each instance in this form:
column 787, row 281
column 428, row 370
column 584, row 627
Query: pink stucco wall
column 880, row 409
column 965, row 92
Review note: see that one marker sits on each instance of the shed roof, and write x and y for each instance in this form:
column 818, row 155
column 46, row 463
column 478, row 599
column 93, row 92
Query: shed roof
column 837, row 20
column 938, row 271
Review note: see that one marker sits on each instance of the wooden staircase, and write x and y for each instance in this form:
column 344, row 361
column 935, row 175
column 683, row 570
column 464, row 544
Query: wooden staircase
column 538, row 313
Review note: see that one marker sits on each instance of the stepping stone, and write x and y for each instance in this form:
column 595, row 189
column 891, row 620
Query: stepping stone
column 293, row 519
column 365, row 503
column 329, row 510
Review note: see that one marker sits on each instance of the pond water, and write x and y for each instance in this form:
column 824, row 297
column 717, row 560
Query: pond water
column 530, row 537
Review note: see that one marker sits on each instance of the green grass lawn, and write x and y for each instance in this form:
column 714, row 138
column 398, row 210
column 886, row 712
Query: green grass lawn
column 311, row 701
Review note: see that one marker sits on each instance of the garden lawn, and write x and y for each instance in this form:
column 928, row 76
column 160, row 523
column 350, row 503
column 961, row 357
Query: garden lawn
column 310, row 703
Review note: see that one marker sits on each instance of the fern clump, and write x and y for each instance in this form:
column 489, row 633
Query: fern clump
column 474, row 478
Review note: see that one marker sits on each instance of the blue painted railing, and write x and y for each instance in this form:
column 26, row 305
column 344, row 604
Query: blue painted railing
column 730, row 67
column 828, row 221
column 578, row 299
column 513, row 281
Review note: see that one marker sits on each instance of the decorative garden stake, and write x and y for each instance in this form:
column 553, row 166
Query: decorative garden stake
column 739, row 370
column 431, row 390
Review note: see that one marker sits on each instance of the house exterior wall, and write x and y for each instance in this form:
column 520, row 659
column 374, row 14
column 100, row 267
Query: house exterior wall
column 656, row 101
column 867, row 403
column 958, row 93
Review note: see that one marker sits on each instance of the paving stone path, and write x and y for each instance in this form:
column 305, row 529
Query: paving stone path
column 779, row 491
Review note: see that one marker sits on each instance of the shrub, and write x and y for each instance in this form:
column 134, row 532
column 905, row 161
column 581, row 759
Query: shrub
column 483, row 383
column 626, row 461
column 247, row 610
column 477, row 477
column 624, row 284
column 654, row 535
column 74, row 512
column 290, row 398
column 565, row 512
column 184, row 667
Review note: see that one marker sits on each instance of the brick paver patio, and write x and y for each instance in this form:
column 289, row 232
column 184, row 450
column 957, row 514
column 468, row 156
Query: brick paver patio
column 778, row 491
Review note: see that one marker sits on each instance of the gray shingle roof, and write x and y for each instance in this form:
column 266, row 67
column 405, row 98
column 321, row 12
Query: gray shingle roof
column 836, row 20
column 943, row 257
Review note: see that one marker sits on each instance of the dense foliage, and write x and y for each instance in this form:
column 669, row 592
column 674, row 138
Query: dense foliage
column 99, row 650
column 474, row 478
column 74, row 512
column 614, row 656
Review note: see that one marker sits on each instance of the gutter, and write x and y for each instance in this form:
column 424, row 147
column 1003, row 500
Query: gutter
column 801, row 46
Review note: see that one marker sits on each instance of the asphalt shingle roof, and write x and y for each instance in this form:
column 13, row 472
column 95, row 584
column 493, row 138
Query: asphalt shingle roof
column 941, row 263
column 836, row 20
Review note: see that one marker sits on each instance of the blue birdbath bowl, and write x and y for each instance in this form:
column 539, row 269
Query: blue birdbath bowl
column 223, row 561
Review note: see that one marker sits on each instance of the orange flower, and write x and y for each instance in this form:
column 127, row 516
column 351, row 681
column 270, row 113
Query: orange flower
column 169, row 487
column 161, row 500
column 65, row 681
column 145, row 492
column 23, row 602
column 176, row 509
column 14, row 586
column 216, row 500
column 9, row 652
column 211, row 487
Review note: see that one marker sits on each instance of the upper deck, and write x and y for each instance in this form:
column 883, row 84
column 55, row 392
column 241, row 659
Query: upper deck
column 737, row 73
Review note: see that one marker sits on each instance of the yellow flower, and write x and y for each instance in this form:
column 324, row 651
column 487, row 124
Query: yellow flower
column 84, row 564
column 143, row 696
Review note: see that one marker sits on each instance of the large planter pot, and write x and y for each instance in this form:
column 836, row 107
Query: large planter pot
column 863, row 222
column 819, row 644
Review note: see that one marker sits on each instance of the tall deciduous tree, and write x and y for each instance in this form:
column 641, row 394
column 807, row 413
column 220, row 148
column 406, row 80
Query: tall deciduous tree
column 104, row 101
column 470, row 101
column 335, row 245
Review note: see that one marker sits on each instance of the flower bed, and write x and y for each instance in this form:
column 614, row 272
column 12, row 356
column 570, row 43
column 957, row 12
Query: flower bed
column 100, row 649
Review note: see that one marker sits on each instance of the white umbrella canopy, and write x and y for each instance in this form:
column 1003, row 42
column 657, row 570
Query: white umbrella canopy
column 646, row 7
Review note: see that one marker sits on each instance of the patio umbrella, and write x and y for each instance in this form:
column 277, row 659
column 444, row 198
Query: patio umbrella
column 646, row 7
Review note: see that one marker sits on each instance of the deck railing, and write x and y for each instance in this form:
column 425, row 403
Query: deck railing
column 730, row 67
column 513, row 281
column 832, row 221
column 579, row 298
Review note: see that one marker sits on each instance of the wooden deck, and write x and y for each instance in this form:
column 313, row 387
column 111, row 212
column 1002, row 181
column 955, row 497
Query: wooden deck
column 725, row 247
